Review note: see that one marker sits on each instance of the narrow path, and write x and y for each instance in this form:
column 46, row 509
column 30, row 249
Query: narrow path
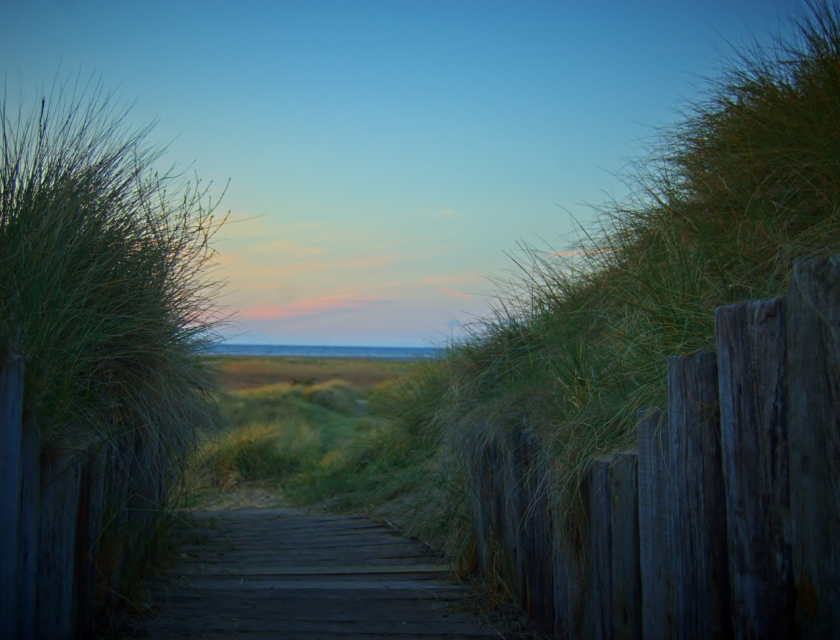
column 277, row 573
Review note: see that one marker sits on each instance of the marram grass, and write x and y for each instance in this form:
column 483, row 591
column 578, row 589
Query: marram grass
column 106, row 290
column 744, row 184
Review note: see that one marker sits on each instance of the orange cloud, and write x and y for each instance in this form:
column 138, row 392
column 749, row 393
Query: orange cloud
column 451, row 279
column 451, row 292
column 310, row 307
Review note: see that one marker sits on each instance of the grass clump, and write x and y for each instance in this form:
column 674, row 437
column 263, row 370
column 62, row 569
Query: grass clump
column 105, row 289
column 279, row 433
column 747, row 182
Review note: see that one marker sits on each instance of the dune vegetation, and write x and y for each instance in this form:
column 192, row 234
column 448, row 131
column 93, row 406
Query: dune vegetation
column 106, row 292
column 746, row 182
column 300, row 432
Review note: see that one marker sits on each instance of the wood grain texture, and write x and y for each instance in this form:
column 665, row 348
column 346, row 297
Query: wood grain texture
column 812, row 319
column 301, row 596
column 626, row 568
column 539, row 541
column 30, row 508
column 11, row 435
column 752, row 362
column 56, row 593
column 701, row 570
column 514, row 507
column 569, row 578
column 656, row 526
column 598, row 607
column 89, row 529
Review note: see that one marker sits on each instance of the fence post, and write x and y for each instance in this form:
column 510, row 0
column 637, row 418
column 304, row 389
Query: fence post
column 56, row 612
column 752, row 358
column 626, row 579
column 812, row 319
column 701, row 587
column 91, row 499
column 538, row 538
column 598, row 607
column 30, row 509
column 11, row 435
column 568, row 590
column 515, row 506
column 656, row 526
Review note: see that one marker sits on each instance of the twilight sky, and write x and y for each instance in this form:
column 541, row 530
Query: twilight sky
column 384, row 156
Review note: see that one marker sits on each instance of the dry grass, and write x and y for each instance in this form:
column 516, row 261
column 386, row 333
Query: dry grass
column 242, row 373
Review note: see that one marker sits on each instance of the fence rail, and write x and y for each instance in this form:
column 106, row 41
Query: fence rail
column 725, row 522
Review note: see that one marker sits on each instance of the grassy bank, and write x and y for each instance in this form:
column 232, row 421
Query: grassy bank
column 744, row 184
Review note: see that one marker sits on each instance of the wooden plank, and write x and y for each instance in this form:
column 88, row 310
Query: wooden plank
column 56, row 603
column 626, row 568
column 201, row 622
column 513, row 523
column 11, row 435
column 812, row 319
column 303, row 604
column 361, row 600
column 30, row 506
column 598, row 604
column 656, row 526
column 538, row 538
column 568, row 573
column 752, row 361
column 89, row 523
column 263, row 569
column 321, row 585
column 306, row 635
column 481, row 485
column 701, row 568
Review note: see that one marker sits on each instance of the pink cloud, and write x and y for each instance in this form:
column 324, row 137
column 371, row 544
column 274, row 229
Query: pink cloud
column 451, row 292
column 310, row 307
column 451, row 279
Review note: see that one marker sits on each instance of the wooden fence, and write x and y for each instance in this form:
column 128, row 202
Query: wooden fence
column 725, row 521
column 68, row 523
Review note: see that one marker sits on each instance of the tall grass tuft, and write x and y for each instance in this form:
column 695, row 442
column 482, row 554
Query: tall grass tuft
column 746, row 182
column 105, row 287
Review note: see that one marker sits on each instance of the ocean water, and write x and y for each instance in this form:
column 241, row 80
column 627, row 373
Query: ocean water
column 315, row 351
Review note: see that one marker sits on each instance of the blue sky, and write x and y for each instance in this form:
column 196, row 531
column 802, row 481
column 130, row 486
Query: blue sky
column 385, row 156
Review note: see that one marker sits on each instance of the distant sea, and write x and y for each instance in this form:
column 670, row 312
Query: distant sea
column 314, row 351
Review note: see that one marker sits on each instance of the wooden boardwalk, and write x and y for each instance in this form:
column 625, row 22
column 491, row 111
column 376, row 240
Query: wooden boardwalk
column 277, row 573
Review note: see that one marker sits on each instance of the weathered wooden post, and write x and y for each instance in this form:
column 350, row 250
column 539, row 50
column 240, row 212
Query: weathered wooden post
column 538, row 538
column 701, row 569
column 568, row 581
column 599, row 588
column 30, row 513
column 11, row 478
column 752, row 362
column 513, row 525
column 656, row 526
column 812, row 319
column 624, row 525
column 481, row 485
column 91, row 503
column 56, row 613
